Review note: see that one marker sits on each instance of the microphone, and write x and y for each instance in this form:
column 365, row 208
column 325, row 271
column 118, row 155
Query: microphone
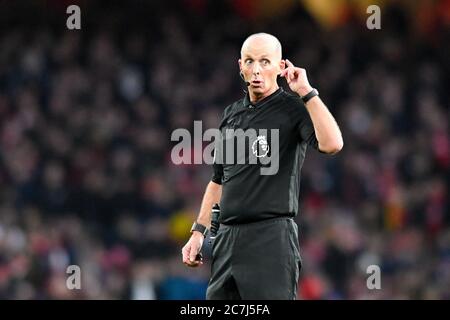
column 246, row 82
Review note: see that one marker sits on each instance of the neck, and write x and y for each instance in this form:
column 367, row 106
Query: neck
column 256, row 97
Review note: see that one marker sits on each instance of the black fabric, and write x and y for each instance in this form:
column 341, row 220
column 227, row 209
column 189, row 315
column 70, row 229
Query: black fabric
column 255, row 261
column 247, row 195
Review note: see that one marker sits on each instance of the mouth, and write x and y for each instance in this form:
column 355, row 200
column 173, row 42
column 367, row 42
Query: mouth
column 256, row 83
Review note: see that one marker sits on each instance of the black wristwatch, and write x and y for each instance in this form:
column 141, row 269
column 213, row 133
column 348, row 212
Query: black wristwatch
column 310, row 95
column 200, row 228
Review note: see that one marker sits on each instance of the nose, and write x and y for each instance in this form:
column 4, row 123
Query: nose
column 256, row 69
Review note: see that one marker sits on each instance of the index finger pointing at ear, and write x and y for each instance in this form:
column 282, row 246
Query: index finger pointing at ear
column 289, row 64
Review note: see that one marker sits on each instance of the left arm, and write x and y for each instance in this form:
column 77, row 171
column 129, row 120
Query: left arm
column 325, row 126
column 326, row 129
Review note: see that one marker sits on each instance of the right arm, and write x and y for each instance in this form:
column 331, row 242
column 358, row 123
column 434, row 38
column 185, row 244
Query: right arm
column 212, row 195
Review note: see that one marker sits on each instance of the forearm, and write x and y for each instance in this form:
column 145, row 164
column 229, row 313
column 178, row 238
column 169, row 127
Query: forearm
column 327, row 130
column 212, row 195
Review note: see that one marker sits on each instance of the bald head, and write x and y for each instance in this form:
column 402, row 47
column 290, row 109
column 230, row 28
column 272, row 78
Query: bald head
column 262, row 42
column 260, row 64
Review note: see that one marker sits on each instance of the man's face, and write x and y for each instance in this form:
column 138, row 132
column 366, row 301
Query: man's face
column 260, row 64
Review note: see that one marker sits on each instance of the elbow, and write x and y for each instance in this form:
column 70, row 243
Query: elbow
column 337, row 148
column 333, row 148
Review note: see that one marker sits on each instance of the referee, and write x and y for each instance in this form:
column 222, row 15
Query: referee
column 256, row 252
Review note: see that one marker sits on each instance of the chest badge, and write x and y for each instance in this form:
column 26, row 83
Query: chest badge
column 260, row 147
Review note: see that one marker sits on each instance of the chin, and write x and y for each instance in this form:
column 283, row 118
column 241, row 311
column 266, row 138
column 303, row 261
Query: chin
column 258, row 90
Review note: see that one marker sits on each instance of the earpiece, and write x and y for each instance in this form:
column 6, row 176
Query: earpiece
column 246, row 82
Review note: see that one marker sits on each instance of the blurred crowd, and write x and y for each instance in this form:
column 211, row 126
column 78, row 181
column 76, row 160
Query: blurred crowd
column 86, row 176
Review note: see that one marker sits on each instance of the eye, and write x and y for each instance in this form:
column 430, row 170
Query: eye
column 265, row 62
column 248, row 61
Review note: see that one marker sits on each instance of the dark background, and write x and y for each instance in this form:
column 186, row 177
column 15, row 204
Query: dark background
column 86, row 116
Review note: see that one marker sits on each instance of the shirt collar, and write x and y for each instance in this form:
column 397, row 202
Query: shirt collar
column 247, row 101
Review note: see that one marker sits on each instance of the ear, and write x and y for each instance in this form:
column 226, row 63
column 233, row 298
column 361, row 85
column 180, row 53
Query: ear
column 282, row 64
column 240, row 66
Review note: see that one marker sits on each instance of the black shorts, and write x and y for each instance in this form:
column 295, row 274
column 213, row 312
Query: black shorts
column 255, row 261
